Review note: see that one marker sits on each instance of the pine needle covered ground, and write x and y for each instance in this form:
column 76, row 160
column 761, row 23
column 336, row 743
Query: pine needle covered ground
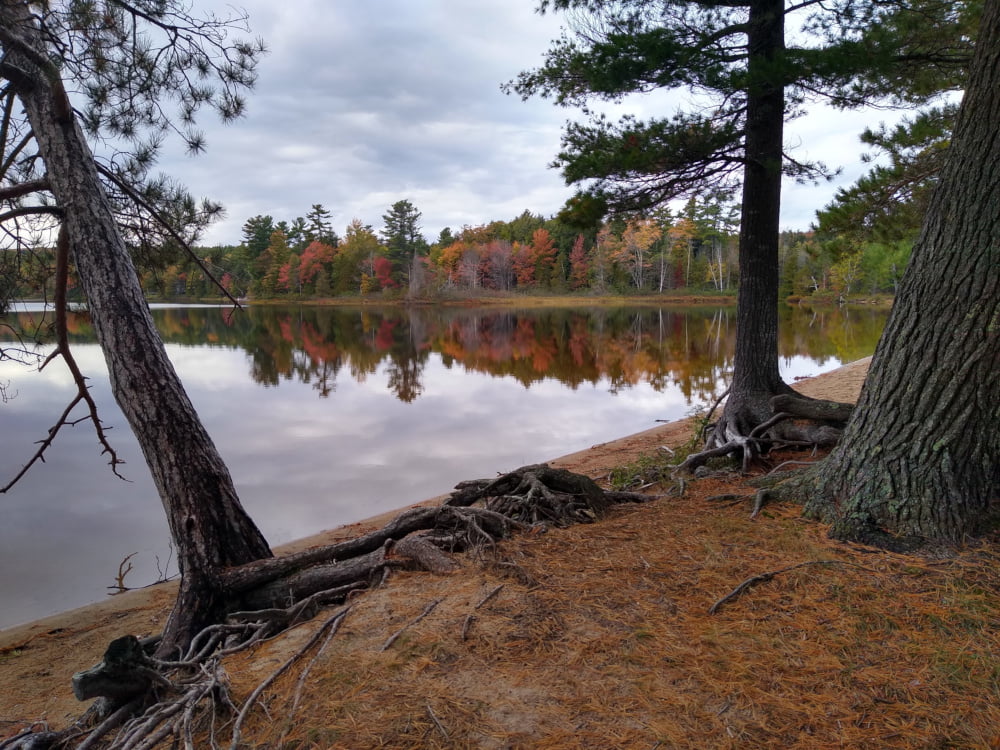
column 600, row 636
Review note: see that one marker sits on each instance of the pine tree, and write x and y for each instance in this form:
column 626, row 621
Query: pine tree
column 127, row 64
column 740, row 53
column 401, row 235
column 319, row 227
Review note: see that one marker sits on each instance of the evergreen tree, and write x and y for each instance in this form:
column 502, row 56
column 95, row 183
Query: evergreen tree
column 319, row 227
column 401, row 235
column 888, row 204
column 737, row 51
column 295, row 233
column 257, row 232
column 445, row 238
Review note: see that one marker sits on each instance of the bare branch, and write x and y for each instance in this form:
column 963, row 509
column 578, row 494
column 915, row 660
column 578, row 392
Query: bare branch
column 31, row 211
column 83, row 390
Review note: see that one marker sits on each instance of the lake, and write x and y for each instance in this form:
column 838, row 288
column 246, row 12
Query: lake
column 328, row 415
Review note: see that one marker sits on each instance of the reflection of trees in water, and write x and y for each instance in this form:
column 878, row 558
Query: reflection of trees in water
column 620, row 347
column 690, row 348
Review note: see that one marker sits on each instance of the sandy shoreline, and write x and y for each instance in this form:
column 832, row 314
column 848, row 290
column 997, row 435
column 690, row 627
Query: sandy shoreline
column 79, row 636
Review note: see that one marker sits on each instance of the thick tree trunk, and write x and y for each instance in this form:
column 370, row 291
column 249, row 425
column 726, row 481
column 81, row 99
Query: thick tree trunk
column 755, row 375
column 921, row 456
column 209, row 526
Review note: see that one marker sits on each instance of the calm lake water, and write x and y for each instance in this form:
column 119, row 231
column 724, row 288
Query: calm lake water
column 330, row 415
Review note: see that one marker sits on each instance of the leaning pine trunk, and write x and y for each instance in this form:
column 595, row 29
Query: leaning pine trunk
column 921, row 457
column 209, row 527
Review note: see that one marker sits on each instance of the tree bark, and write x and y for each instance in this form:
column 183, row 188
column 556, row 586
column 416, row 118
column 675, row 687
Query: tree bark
column 209, row 526
column 921, row 456
column 755, row 375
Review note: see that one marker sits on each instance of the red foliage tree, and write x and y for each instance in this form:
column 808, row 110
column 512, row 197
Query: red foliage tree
column 317, row 258
column 382, row 268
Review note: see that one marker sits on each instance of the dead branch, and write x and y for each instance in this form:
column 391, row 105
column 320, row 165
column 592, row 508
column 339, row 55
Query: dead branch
column 471, row 617
column 124, row 568
column 441, row 729
column 496, row 590
column 764, row 577
column 83, row 390
column 427, row 610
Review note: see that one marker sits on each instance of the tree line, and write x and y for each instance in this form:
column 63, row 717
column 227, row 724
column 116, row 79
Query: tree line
column 692, row 250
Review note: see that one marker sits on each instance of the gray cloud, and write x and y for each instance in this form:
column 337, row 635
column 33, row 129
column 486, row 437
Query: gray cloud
column 361, row 104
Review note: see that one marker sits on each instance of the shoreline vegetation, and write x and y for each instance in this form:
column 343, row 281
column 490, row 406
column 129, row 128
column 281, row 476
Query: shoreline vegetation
column 681, row 622
column 528, row 300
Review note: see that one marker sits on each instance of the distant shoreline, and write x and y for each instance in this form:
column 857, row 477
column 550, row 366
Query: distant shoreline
column 684, row 300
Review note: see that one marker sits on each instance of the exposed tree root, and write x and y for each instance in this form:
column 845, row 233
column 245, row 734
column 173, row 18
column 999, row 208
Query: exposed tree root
column 144, row 700
column 540, row 494
column 795, row 421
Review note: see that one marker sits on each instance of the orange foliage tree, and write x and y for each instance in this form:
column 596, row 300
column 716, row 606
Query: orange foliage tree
column 543, row 251
column 579, row 265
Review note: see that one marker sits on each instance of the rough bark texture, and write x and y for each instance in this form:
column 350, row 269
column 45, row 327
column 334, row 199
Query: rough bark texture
column 209, row 526
column 921, row 457
column 755, row 375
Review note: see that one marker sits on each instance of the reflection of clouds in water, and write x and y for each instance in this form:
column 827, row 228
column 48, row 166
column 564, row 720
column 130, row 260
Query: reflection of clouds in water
column 463, row 428
column 805, row 367
column 300, row 463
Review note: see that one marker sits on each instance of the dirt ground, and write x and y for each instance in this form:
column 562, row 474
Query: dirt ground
column 601, row 636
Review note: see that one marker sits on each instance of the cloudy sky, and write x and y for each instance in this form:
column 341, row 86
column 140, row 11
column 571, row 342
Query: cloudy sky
column 360, row 104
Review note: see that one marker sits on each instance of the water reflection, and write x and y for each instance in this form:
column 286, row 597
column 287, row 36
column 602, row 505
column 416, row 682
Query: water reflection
column 329, row 415
column 690, row 348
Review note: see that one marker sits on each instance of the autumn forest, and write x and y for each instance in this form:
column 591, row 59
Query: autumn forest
column 690, row 251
